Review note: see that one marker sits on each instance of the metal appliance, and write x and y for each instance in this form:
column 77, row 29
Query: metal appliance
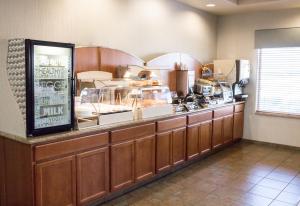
column 237, row 73
column 227, row 92
column 204, row 87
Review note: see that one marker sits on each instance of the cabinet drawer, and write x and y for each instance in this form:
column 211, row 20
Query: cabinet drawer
column 171, row 124
column 239, row 107
column 223, row 111
column 132, row 133
column 70, row 146
column 200, row 117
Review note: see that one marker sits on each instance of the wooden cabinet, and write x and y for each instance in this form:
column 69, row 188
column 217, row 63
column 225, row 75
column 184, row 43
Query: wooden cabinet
column 163, row 151
column 178, row 145
column 144, row 158
column 199, row 139
column 228, row 128
column 193, row 134
column 134, row 159
column 170, row 148
column 82, row 170
column 92, row 175
column 199, row 134
column 170, row 143
column 56, row 182
column 222, row 126
column 217, row 136
column 205, row 142
column 122, row 165
column 76, row 179
column 238, row 125
column 85, row 176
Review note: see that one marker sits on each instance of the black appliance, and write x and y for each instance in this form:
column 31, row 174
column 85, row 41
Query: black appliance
column 242, row 72
column 49, row 87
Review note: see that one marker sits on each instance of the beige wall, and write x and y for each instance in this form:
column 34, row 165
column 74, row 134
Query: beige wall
column 236, row 40
column 145, row 28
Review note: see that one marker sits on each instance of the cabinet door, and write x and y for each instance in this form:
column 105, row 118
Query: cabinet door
column 228, row 128
column 56, row 182
column 122, row 165
column 179, row 146
column 205, row 136
column 92, row 175
column 238, row 125
column 217, row 139
column 193, row 141
column 144, row 158
column 163, row 151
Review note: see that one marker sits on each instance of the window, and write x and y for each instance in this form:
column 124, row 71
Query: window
column 278, row 83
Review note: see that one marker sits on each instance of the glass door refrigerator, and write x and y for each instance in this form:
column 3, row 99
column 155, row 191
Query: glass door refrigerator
column 49, row 87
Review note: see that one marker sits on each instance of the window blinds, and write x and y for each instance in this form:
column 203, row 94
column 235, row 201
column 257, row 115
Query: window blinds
column 278, row 89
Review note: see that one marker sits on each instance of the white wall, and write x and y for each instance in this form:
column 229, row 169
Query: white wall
column 236, row 40
column 145, row 28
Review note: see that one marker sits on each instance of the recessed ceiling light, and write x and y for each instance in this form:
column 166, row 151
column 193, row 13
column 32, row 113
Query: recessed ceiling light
column 210, row 5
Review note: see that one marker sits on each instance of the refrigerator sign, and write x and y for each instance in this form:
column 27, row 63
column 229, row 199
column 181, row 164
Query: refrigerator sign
column 57, row 85
column 58, row 72
column 50, row 111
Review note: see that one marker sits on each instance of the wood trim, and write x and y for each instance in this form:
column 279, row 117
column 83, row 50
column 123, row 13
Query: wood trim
column 56, row 149
column 87, row 59
column 104, row 59
column 112, row 58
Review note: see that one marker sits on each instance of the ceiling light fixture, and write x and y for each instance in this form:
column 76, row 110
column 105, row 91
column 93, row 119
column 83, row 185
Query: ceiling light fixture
column 210, row 5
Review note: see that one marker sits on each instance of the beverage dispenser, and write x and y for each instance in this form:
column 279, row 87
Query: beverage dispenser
column 237, row 73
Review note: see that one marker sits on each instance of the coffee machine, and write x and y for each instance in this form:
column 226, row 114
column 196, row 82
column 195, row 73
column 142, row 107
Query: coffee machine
column 237, row 73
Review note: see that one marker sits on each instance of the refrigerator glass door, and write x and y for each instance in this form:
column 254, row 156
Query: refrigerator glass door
column 52, row 75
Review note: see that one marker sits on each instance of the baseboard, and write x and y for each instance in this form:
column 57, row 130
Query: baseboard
column 275, row 145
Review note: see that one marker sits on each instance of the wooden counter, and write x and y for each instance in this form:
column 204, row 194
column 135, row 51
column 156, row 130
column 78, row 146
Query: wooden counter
column 90, row 166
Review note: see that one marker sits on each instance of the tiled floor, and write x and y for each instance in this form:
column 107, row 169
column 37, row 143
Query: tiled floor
column 245, row 174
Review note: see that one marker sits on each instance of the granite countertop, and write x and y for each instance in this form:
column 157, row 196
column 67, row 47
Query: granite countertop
column 104, row 128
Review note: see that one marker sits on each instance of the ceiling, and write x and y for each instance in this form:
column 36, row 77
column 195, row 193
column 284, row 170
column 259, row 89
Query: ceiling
column 224, row 7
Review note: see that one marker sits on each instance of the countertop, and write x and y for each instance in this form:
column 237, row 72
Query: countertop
column 98, row 129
